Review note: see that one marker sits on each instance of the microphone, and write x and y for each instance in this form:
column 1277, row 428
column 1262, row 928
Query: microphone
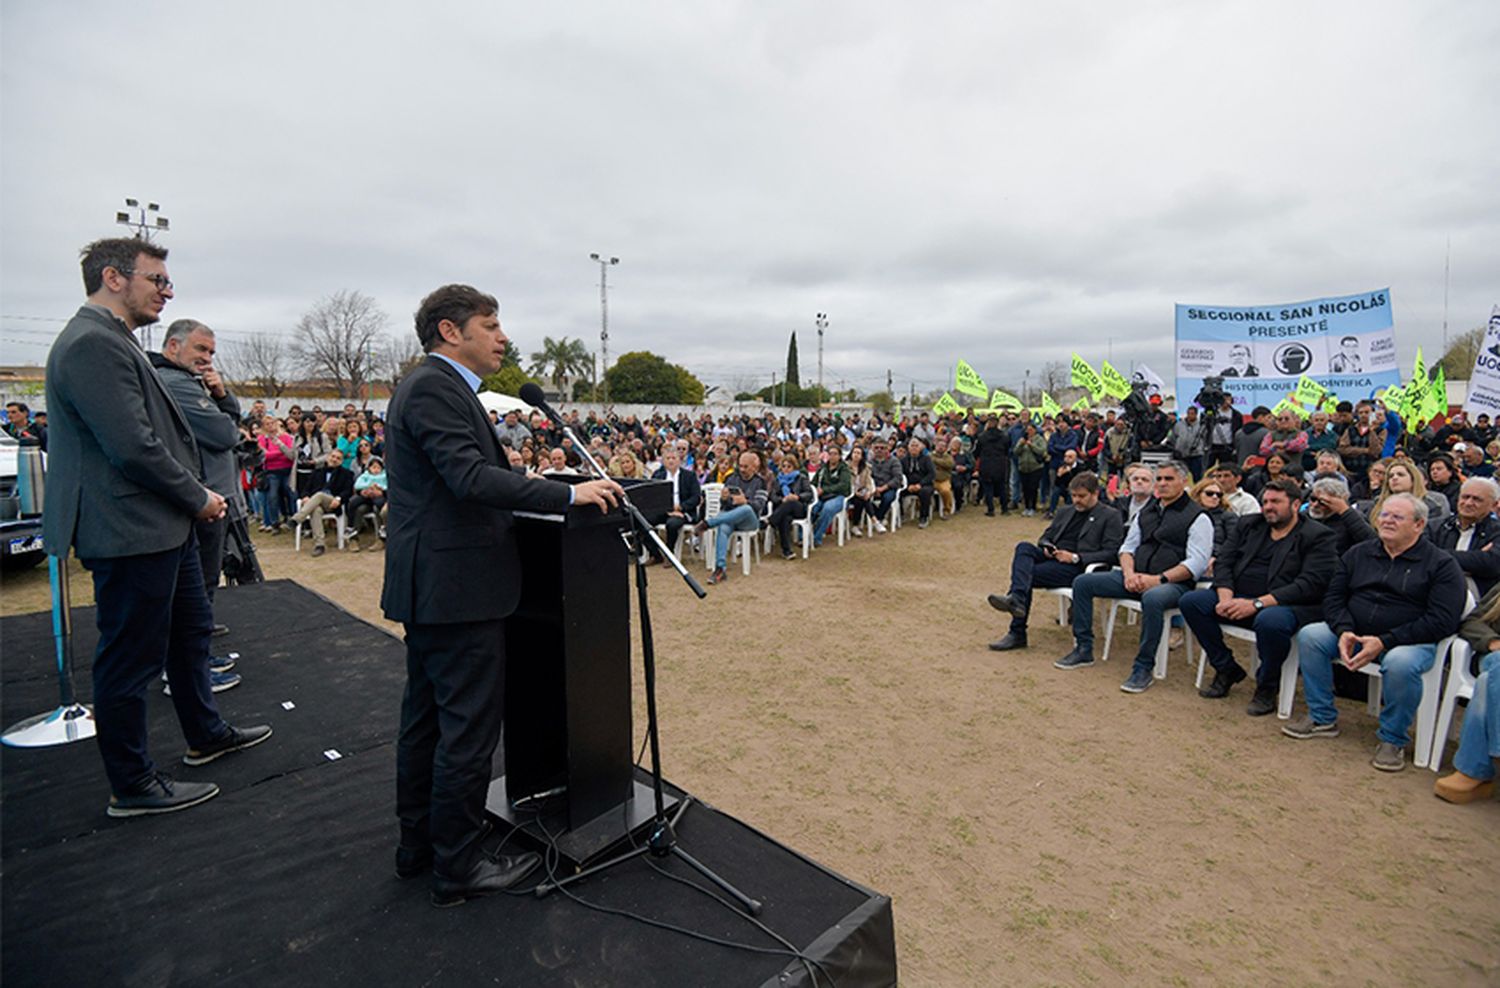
column 532, row 394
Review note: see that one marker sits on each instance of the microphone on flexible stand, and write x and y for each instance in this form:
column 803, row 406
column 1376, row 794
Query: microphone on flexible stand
column 532, row 394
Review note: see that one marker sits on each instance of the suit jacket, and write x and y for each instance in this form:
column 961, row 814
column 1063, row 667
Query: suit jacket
column 123, row 467
column 1302, row 563
column 1484, row 567
column 1101, row 537
column 450, row 553
column 689, row 494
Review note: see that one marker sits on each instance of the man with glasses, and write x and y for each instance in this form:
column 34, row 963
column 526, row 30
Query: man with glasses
column 1469, row 533
column 125, row 487
column 1393, row 599
column 1270, row 576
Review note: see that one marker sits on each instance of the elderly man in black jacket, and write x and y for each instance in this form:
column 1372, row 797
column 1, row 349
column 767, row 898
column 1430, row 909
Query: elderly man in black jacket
column 1391, row 601
column 1470, row 532
column 1270, row 576
column 921, row 477
column 1083, row 533
column 1329, row 503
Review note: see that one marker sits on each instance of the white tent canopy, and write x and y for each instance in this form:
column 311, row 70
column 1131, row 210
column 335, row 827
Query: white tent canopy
column 495, row 402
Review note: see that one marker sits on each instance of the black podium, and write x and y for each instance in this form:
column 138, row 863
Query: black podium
column 568, row 773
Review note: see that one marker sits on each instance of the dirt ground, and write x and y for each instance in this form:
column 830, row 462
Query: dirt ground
column 1033, row 826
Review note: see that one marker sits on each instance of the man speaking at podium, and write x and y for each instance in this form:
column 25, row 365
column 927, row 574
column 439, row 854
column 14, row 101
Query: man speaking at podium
column 452, row 575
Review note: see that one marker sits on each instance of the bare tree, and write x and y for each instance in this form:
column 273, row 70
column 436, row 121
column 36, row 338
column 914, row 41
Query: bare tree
column 342, row 337
column 1055, row 376
column 1463, row 350
column 260, row 365
column 403, row 352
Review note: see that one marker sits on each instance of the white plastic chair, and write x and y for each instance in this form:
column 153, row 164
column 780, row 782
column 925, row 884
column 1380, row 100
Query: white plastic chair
column 743, row 543
column 1159, row 669
column 336, row 516
column 1064, row 595
column 1288, row 687
column 1427, row 709
column 1461, row 685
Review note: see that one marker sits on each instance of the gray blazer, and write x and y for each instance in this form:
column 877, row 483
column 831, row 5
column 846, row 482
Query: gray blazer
column 122, row 464
column 216, row 427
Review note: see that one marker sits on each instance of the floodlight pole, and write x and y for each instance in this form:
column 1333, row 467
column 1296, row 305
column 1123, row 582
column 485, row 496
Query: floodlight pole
column 143, row 227
column 822, row 323
column 604, row 265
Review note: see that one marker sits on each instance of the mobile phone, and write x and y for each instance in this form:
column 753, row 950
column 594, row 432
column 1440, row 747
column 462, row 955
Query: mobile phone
column 1049, row 548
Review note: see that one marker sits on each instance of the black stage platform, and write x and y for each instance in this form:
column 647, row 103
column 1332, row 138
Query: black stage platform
column 285, row 877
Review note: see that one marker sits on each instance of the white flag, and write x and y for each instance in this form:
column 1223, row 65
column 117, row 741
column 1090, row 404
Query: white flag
column 1154, row 384
column 1484, row 383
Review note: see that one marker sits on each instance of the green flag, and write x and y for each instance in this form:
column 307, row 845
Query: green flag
column 1286, row 405
column 1050, row 405
column 946, row 404
column 1003, row 399
column 1085, row 376
column 967, row 381
column 1081, row 405
column 1114, row 382
column 1437, row 395
column 1309, row 392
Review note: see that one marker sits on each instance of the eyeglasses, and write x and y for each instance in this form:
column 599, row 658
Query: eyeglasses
column 161, row 281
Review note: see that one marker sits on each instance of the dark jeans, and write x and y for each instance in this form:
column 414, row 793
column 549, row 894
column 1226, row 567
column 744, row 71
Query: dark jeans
column 880, row 504
column 1031, row 568
column 152, row 612
column 1194, row 465
column 1274, row 628
column 674, row 525
column 360, row 507
column 923, row 495
column 277, row 495
column 1154, row 603
column 857, row 508
column 450, row 724
column 993, row 483
column 782, row 517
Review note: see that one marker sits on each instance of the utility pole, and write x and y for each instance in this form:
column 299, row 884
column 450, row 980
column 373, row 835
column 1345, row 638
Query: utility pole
column 147, row 219
column 604, row 265
column 773, row 387
column 890, row 384
column 822, row 323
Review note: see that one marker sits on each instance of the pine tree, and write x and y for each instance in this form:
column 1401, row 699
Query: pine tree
column 793, row 379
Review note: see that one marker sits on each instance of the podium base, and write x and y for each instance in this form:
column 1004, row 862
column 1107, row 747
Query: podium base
column 577, row 847
column 74, row 722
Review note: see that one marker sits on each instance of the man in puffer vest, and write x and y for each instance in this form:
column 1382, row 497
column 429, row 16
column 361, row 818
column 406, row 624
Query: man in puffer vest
column 1167, row 549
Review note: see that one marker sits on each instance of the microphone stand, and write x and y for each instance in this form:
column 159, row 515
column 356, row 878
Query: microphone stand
column 663, row 841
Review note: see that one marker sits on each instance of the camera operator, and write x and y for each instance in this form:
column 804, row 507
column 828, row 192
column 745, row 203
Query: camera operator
column 1222, row 421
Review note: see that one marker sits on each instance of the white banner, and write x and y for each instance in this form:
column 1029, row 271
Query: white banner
column 1484, row 383
column 1154, row 384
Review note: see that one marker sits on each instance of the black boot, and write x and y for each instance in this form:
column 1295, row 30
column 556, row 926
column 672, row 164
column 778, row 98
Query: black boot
column 1263, row 702
column 1223, row 680
column 1011, row 640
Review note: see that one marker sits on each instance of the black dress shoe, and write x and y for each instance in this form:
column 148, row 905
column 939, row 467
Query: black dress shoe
column 161, row 794
column 1005, row 602
column 1010, row 641
column 413, row 861
column 1263, row 702
column 489, row 875
column 236, row 740
column 1223, row 680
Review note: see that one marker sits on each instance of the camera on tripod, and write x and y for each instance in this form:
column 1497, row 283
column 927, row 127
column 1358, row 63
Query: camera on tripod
column 1134, row 407
column 1212, row 395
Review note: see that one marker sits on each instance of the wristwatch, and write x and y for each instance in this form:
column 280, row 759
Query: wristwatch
column 1164, row 578
column 1259, row 604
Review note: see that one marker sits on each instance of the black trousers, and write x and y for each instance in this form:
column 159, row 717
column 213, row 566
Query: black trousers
column 923, row 495
column 152, row 612
column 1030, row 567
column 450, row 724
column 674, row 525
column 993, row 482
column 211, row 551
column 782, row 517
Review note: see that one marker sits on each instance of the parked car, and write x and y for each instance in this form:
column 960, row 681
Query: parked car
column 20, row 538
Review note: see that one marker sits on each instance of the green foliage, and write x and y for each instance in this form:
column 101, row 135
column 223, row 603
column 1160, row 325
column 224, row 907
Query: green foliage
column 559, row 358
column 791, row 396
column 882, row 402
column 642, row 377
column 793, row 376
column 1463, row 349
column 507, row 380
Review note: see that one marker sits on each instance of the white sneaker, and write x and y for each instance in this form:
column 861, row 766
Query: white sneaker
column 857, row 532
column 880, row 526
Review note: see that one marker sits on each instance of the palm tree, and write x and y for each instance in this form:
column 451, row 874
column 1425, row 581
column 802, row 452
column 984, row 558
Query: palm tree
column 559, row 358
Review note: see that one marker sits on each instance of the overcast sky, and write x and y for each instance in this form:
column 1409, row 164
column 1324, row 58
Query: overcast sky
column 1003, row 182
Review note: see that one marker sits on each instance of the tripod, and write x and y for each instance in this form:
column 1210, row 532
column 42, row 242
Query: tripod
column 662, row 841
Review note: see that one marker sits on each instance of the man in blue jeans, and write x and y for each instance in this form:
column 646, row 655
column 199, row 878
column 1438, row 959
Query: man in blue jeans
column 1391, row 602
column 1166, row 549
column 1270, row 575
column 744, row 502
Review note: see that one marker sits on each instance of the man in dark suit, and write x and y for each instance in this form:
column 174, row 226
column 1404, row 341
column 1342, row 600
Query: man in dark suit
column 1470, row 533
column 1083, row 533
column 452, row 575
column 332, row 489
column 686, row 496
column 124, row 488
column 1270, row 576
